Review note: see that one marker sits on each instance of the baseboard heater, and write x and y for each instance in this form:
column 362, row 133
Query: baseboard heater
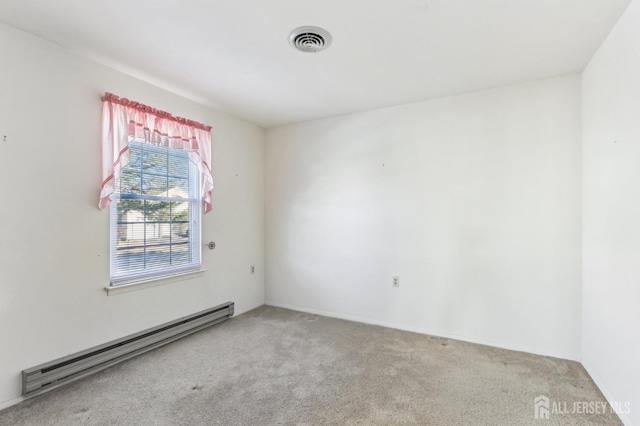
column 56, row 373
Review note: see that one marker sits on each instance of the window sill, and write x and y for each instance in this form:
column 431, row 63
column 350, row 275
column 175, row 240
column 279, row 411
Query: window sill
column 153, row 282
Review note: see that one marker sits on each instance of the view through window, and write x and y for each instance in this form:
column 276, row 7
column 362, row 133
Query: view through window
column 155, row 215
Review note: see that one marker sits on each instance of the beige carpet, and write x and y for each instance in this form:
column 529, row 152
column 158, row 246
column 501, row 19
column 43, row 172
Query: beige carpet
column 277, row 367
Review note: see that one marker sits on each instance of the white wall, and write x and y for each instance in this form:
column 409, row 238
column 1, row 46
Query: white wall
column 473, row 201
column 611, row 179
column 54, row 242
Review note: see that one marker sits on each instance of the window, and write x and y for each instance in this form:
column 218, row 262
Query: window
column 156, row 178
column 155, row 215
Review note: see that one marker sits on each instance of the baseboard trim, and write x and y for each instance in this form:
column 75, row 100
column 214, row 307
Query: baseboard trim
column 518, row 348
column 13, row 401
column 624, row 417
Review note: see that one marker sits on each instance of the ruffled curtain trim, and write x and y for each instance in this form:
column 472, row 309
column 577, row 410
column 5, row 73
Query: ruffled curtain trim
column 124, row 120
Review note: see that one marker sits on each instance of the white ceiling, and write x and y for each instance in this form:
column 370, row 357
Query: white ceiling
column 235, row 57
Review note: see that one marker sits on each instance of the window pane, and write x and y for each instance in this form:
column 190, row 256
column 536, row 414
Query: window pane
column 135, row 154
column 130, row 210
column 154, row 159
column 180, row 233
column 129, row 182
column 158, row 212
column 178, row 167
column 150, row 234
column 130, row 247
column 178, row 187
column 153, row 234
column 154, row 185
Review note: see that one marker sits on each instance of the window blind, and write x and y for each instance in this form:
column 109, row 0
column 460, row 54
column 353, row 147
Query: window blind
column 155, row 215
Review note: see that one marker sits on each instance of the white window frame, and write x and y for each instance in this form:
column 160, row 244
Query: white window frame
column 150, row 275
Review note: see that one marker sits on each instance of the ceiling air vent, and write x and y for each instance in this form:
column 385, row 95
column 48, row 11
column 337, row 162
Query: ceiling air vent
column 310, row 39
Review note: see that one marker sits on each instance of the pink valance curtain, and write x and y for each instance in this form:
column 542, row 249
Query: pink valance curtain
column 124, row 120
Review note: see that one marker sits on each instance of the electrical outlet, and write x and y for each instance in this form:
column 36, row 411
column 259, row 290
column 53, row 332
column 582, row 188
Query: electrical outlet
column 396, row 281
column 253, row 269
